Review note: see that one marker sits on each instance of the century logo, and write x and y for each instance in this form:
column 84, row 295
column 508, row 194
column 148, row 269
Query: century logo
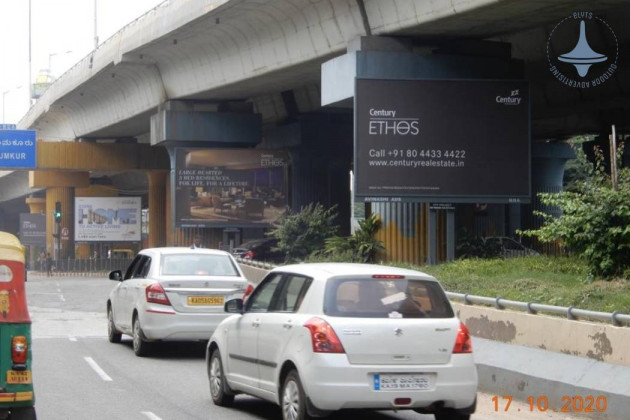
column 386, row 122
column 513, row 99
column 582, row 51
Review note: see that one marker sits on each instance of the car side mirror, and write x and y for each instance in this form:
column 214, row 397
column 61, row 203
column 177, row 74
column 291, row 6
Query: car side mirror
column 234, row 306
column 115, row 275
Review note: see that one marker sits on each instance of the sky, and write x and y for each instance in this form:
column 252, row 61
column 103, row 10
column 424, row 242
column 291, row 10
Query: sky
column 62, row 34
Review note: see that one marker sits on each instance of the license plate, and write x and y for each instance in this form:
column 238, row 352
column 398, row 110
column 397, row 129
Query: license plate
column 18, row 376
column 205, row 300
column 386, row 382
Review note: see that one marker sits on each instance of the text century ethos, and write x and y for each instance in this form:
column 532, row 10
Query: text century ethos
column 385, row 122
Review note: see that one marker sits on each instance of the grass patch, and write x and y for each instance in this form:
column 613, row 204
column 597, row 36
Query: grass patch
column 561, row 281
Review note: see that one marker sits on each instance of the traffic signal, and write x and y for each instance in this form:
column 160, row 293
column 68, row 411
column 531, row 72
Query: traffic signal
column 58, row 212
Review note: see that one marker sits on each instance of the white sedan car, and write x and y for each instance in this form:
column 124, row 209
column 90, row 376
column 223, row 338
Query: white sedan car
column 172, row 294
column 315, row 338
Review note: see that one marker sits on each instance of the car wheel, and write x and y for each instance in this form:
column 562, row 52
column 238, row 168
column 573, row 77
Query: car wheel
column 25, row 413
column 112, row 333
column 219, row 389
column 140, row 346
column 446, row 414
column 293, row 400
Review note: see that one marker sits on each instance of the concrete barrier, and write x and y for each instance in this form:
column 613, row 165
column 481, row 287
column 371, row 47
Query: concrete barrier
column 597, row 341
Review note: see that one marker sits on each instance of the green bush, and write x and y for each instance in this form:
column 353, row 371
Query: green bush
column 471, row 246
column 595, row 220
column 301, row 233
column 361, row 246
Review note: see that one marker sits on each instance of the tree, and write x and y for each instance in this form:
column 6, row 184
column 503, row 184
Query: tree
column 595, row 219
column 301, row 233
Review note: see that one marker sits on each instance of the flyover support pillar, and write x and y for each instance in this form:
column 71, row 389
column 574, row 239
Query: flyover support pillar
column 157, row 208
column 405, row 224
column 59, row 188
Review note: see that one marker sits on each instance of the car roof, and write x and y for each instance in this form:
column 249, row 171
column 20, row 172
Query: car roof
column 183, row 250
column 348, row 269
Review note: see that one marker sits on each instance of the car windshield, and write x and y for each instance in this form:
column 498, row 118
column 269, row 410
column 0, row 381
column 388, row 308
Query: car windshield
column 198, row 265
column 386, row 298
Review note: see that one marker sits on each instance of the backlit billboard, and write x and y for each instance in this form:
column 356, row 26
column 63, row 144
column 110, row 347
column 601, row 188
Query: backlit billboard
column 442, row 141
column 230, row 187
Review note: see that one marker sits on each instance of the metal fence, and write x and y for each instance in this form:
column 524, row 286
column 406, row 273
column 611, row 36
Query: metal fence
column 616, row 318
column 82, row 265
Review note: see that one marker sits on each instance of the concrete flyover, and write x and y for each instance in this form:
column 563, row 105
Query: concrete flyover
column 187, row 59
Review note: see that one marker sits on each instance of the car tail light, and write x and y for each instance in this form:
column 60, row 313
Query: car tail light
column 248, row 291
column 323, row 336
column 19, row 349
column 463, row 343
column 249, row 255
column 387, row 276
column 156, row 294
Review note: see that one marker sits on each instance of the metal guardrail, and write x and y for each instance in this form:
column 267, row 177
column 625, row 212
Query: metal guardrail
column 83, row 265
column 617, row 319
column 254, row 263
column 573, row 313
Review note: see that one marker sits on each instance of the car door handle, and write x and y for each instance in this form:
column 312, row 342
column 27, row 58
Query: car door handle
column 256, row 323
column 287, row 325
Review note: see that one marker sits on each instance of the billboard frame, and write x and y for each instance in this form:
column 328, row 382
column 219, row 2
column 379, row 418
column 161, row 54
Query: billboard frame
column 389, row 197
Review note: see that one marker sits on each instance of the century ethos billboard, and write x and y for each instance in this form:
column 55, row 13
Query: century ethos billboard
column 230, row 187
column 107, row 219
column 442, row 140
column 33, row 229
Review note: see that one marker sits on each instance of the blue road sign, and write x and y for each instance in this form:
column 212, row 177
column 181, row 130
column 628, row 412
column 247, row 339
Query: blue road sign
column 18, row 149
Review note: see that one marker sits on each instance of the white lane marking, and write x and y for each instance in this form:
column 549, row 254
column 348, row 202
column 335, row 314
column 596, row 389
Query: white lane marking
column 150, row 415
column 63, row 299
column 57, row 283
column 58, row 290
column 71, row 338
column 100, row 372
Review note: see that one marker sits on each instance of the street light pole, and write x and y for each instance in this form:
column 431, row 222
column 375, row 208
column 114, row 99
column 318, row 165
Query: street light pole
column 95, row 25
column 30, row 70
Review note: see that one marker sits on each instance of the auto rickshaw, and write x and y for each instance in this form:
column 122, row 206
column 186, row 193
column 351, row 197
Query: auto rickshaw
column 17, row 398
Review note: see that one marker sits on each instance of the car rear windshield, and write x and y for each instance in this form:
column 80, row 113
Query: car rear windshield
column 386, row 298
column 198, row 265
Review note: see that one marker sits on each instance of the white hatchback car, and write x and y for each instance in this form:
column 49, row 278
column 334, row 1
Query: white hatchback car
column 172, row 294
column 316, row 338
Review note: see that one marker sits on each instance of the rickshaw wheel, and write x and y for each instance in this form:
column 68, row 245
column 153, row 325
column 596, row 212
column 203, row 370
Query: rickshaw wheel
column 23, row 413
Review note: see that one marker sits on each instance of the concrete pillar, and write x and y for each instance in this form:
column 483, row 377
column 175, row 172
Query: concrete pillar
column 170, row 226
column 64, row 195
column 36, row 205
column 157, row 208
column 59, row 187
